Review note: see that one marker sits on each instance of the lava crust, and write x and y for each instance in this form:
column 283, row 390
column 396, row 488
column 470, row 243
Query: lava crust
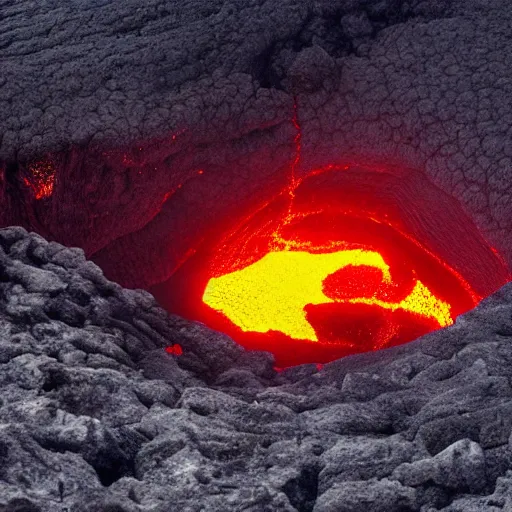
column 152, row 125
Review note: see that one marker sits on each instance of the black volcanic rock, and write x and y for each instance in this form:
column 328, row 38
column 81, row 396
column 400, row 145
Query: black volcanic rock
column 95, row 415
column 163, row 121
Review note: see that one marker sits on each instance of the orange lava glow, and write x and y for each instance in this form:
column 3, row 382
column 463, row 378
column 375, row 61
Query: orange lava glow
column 272, row 293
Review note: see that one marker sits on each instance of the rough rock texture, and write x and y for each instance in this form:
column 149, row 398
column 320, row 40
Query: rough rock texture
column 96, row 416
column 128, row 101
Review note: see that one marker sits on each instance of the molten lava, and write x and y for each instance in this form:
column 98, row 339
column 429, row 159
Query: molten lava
column 343, row 259
column 318, row 273
column 272, row 293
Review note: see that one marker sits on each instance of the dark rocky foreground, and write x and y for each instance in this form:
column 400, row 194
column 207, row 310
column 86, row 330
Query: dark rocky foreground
column 96, row 416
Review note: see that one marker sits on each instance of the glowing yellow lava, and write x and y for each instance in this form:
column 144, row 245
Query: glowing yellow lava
column 271, row 293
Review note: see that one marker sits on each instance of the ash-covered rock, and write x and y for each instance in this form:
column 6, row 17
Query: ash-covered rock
column 95, row 415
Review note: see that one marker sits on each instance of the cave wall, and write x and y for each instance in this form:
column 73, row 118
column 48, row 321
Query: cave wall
column 160, row 123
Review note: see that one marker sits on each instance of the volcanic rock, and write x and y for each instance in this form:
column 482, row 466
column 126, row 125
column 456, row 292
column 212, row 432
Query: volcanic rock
column 96, row 415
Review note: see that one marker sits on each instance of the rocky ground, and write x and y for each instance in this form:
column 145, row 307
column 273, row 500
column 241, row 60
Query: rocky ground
column 95, row 415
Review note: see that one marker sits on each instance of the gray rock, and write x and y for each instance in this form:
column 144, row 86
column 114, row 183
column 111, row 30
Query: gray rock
column 310, row 70
column 460, row 466
column 367, row 496
column 363, row 458
column 34, row 279
column 98, row 416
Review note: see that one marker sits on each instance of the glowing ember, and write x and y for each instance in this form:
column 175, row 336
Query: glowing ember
column 42, row 178
column 174, row 350
column 271, row 294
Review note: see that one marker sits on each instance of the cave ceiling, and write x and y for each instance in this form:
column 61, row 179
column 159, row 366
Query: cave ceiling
column 128, row 126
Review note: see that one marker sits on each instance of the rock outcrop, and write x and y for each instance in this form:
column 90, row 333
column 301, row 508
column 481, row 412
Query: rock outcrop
column 95, row 414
